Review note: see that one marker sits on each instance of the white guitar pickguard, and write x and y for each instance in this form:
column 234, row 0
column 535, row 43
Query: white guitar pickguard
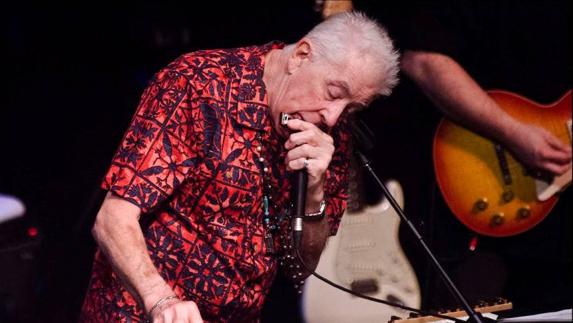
column 365, row 248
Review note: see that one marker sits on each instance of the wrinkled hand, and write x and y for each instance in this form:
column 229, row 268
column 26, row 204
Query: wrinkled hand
column 540, row 150
column 177, row 311
column 309, row 142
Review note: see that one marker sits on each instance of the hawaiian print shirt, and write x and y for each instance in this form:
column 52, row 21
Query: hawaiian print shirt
column 193, row 160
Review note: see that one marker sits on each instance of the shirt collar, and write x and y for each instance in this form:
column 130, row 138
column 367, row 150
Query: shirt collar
column 251, row 108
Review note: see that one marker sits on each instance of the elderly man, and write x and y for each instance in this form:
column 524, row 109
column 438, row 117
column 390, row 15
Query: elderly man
column 194, row 223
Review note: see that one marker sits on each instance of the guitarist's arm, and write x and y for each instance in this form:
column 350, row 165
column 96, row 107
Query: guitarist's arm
column 455, row 92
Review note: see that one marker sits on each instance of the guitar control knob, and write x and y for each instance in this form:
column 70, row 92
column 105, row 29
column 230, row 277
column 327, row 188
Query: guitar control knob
column 481, row 204
column 507, row 196
column 497, row 219
column 524, row 212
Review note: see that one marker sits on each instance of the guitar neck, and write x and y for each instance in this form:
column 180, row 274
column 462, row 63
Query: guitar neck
column 458, row 313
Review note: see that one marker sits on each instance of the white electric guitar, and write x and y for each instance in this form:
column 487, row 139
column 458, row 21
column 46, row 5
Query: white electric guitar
column 366, row 257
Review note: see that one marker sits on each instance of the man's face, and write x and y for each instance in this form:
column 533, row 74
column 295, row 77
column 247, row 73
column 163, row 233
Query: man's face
column 318, row 91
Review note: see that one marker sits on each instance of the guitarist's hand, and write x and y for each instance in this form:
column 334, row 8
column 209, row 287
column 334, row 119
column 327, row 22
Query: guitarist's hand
column 541, row 150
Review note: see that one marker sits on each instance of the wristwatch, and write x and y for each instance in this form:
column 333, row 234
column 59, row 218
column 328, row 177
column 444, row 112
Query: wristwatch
column 319, row 215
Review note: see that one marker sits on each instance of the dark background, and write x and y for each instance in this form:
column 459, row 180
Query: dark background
column 72, row 79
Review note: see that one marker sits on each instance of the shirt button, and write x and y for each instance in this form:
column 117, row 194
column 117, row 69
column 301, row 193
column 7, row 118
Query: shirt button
column 259, row 148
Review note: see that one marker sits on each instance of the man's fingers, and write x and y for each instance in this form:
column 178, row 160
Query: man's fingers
column 315, row 137
column 298, row 164
column 558, row 157
column 557, row 169
column 555, row 143
column 297, row 139
column 165, row 316
column 305, row 132
column 187, row 312
column 195, row 315
column 299, row 125
column 317, row 154
column 301, row 151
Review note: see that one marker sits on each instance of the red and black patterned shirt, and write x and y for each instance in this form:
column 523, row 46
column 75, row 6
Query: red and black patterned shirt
column 191, row 160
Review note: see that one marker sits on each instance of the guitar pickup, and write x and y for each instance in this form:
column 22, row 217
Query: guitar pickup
column 364, row 286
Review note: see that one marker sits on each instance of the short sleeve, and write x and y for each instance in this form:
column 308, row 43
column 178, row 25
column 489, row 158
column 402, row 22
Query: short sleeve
column 155, row 154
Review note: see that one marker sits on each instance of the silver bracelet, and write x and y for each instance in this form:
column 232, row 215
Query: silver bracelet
column 316, row 215
column 161, row 301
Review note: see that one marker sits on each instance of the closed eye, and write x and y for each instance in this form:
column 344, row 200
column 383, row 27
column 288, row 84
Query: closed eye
column 334, row 93
column 331, row 96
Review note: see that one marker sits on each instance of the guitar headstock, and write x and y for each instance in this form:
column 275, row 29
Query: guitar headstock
column 331, row 7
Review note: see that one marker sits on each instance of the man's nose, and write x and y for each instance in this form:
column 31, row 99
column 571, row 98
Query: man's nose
column 332, row 112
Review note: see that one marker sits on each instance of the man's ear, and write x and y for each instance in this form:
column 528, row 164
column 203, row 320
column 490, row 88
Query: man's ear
column 301, row 54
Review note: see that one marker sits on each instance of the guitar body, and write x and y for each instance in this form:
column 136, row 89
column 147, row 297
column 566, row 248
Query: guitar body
column 471, row 176
column 366, row 252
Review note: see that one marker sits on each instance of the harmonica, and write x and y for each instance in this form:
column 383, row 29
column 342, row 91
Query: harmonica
column 285, row 117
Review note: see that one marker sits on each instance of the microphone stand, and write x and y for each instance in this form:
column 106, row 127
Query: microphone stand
column 473, row 315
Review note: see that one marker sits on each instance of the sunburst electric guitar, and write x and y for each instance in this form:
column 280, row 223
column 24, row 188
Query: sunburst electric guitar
column 366, row 257
column 484, row 186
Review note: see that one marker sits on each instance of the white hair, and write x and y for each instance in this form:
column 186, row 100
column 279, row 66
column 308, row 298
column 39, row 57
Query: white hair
column 352, row 33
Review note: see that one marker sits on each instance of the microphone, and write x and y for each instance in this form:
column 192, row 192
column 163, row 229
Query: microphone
column 300, row 183
column 299, row 193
